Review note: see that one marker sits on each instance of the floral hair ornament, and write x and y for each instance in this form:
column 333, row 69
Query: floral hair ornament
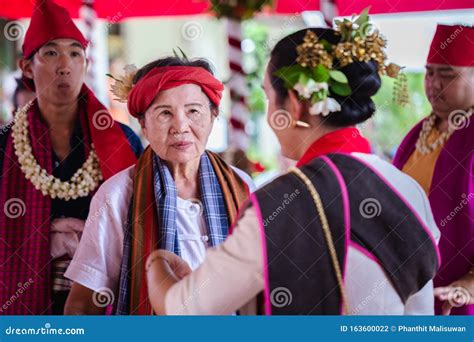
column 123, row 85
column 316, row 76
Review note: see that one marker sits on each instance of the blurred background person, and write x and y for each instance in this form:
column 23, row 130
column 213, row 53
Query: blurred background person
column 439, row 154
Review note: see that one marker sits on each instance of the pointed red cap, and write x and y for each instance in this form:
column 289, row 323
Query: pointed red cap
column 453, row 45
column 48, row 22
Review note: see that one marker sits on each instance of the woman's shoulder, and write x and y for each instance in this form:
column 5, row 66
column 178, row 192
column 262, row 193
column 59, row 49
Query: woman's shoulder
column 245, row 177
column 118, row 187
column 394, row 177
column 385, row 170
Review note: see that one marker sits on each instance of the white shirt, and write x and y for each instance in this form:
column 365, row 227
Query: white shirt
column 232, row 273
column 96, row 263
column 192, row 231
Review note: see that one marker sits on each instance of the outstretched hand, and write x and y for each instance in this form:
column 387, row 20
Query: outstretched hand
column 161, row 258
column 456, row 294
column 164, row 269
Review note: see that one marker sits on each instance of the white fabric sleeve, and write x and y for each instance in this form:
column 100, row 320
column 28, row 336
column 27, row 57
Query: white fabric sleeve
column 422, row 302
column 96, row 263
column 230, row 276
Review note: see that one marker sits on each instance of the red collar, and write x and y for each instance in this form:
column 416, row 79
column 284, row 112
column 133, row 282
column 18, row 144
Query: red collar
column 345, row 140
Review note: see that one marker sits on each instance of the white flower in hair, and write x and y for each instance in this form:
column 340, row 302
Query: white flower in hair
column 311, row 86
column 324, row 107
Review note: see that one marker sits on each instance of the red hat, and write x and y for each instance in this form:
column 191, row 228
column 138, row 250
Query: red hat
column 452, row 45
column 161, row 78
column 48, row 22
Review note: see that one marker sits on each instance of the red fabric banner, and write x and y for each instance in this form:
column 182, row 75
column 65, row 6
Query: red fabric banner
column 115, row 11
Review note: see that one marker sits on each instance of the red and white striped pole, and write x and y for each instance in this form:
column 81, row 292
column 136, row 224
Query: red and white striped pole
column 238, row 88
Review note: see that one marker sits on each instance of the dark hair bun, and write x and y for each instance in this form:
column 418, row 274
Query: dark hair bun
column 363, row 78
column 358, row 107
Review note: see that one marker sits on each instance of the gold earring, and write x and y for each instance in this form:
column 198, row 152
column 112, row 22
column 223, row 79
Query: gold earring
column 302, row 124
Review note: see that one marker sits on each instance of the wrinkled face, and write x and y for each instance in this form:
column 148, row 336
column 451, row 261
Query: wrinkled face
column 449, row 88
column 178, row 123
column 58, row 70
column 279, row 117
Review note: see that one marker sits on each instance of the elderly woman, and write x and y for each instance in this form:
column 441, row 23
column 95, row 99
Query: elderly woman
column 332, row 236
column 179, row 197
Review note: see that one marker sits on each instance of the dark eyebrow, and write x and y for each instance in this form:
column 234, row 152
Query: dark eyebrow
column 444, row 68
column 75, row 44
column 50, row 44
column 53, row 44
column 186, row 105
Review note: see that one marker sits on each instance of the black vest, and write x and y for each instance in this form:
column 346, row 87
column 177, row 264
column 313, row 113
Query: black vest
column 302, row 279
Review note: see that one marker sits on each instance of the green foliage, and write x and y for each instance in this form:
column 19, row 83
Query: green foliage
column 258, row 33
column 354, row 27
column 338, row 83
column 291, row 74
column 338, row 76
column 392, row 122
column 321, row 73
column 341, row 89
column 183, row 55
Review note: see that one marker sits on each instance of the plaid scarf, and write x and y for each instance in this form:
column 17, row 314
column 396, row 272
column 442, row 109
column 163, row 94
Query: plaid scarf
column 153, row 205
column 25, row 223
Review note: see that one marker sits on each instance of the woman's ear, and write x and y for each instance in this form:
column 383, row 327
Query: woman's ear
column 214, row 112
column 141, row 121
column 296, row 106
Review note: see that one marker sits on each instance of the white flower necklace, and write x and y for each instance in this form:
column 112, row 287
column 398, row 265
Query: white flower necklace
column 422, row 145
column 84, row 181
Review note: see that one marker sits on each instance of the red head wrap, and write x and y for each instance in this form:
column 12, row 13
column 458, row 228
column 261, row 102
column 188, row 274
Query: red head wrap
column 162, row 78
column 453, row 45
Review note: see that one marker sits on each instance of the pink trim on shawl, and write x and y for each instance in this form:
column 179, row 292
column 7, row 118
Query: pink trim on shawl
column 242, row 208
column 347, row 214
column 365, row 251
